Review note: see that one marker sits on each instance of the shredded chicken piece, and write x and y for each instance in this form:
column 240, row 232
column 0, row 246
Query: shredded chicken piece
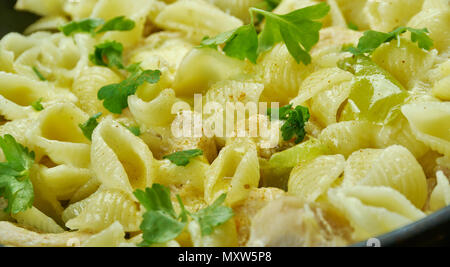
column 287, row 222
column 255, row 201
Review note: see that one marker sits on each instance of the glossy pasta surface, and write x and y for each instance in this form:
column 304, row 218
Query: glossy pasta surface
column 375, row 154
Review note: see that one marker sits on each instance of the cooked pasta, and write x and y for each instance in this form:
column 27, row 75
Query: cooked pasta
column 223, row 123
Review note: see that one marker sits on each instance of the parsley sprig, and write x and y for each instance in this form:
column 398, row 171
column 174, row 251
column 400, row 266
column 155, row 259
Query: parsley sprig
column 115, row 96
column 161, row 223
column 371, row 40
column 91, row 24
column 299, row 30
column 295, row 121
column 108, row 54
column 182, row 158
column 15, row 183
column 37, row 105
column 89, row 126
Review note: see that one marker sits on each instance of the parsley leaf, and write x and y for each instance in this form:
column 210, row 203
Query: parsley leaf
column 298, row 30
column 352, row 26
column 84, row 25
column 37, row 105
column 108, row 54
column 89, row 126
column 371, row 40
column 214, row 215
column 15, row 185
column 115, row 96
column 271, row 4
column 182, row 158
column 295, row 121
column 39, row 74
column 90, row 25
column 161, row 223
column 241, row 43
column 118, row 24
column 136, row 130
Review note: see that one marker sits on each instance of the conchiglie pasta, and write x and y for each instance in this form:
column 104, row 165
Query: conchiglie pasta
column 57, row 134
column 110, row 237
column 17, row 93
column 281, row 74
column 155, row 113
column 201, row 68
column 79, row 9
column 119, row 159
column 87, row 84
column 104, row 208
column 223, row 236
column 386, row 15
column 41, row 7
column 427, row 122
column 136, row 10
column 367, row 220
column 393, row 167
column 435, row 16
column 440, row 197
column 406, row 62
column 38, row 220
column 196, row 18
column 65, row 180
column 237, row 8
column 310, row 180
column 349, row 136
column 235, row 171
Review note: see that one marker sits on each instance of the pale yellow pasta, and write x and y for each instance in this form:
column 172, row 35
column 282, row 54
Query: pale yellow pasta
column 41, row 7
column 46, row 24
column 309, row 180
column 440, row 197
column 326, row 177
column 223, row 236
column 87, row 84
column 155, row 113
column 57, row 135
column 202, row 67
column 237, row 8
column 120, row 159
column 235, row 171
column 386, row 15
column 367, row 220
column 79, row 9
column 65, row 180
column 281, row 81
column 393, row 167
column 193, row 174
column 17, row 93
column 104, row 208
column 349, row 136
column 435, row 16
column 406, row 62
column 196, row 18
column 321, row 80
column 37, row 220
column 136, row 10
column 110, row 237
column 427, row 121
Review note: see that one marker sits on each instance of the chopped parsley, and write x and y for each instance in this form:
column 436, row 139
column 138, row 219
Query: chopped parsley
column 371, row 40
column 182, row 158
column 295, row 121
column 161, row 223
column 299, row 30
column 15, row 183
column 89, row 126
